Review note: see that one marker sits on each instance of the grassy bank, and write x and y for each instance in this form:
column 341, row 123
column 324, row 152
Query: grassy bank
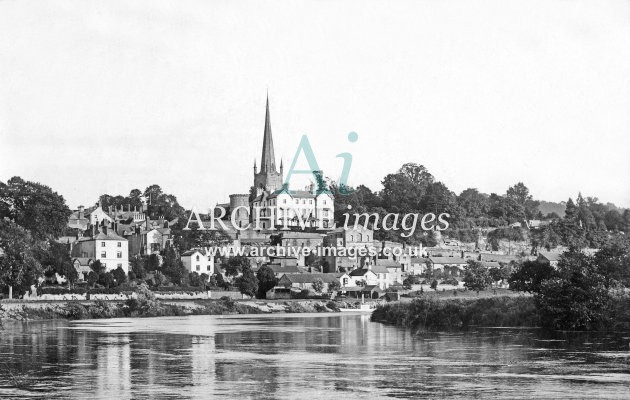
column 450, row 314
column 150, row 307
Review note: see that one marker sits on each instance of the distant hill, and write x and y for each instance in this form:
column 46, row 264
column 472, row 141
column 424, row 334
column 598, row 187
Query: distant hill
column 547, row 207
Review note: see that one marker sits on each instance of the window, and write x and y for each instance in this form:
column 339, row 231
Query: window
column 102, row 244
column 284, row 201
column 103, row 254
column 119, row 254
column 310, row 202
column 197, row 257
column 119, row 244
column 198, row 268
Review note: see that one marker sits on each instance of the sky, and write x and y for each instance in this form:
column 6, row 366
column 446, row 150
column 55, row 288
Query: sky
column 107, row 96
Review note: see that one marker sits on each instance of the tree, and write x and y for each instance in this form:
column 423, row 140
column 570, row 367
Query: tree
column 576, row 298
column 55, row 258
column 195, row 279
column 235, row 265
column 137, row 267
column 318, row 285
column 613, row 262
column 35, row 207
column 69, row 272
column 247, row 283
column 152, row 263
column 107, row 280
column 119, row 275
column 159, row 279
column 476, row 276
column 19, row 267
column 92, row 278
column 411, row 280
column 219, row 281
column 334, row 286
column 98, row 267
column 266, row 280
column 473, row 203
column 529, row 275
column 173, row 267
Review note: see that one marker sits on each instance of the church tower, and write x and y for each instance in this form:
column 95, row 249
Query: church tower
column 268, row 178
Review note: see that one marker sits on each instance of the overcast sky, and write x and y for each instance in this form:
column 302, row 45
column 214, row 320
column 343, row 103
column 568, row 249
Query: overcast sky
column 106, row 96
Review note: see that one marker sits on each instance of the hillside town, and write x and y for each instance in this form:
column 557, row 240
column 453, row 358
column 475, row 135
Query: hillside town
column 118, row 242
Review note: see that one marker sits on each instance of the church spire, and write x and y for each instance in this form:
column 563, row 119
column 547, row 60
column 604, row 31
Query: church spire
column 268, row 160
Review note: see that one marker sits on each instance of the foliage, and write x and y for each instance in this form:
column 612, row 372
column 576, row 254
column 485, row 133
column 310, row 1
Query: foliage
column 318, row 285
column 476, row 276
column 235, row 265
column 333, row 286
column 35, row 207
column 247, row 283
column 266, row 280
column 576, row 298
column 529, row 275
column 433, row 314
column 119, row 275
column 19, row 266
column 173, row 267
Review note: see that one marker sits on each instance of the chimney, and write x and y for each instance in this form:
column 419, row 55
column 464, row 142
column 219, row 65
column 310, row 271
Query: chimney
column 80, row 212
column 105, row 229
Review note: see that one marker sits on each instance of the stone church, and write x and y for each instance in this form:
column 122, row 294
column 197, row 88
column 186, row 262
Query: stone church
column 272, row 204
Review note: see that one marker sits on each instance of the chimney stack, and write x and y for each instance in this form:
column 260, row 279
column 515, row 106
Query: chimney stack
column 80, row 212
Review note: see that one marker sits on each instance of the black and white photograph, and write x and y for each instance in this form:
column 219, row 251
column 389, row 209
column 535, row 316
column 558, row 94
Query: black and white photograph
column 314, row 199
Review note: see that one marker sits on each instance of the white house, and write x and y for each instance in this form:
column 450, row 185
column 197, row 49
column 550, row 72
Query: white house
column 298, row 208
column 197, row 261
column 105, row 246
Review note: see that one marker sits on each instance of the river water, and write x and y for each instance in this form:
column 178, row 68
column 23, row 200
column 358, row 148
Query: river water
column 308, row 356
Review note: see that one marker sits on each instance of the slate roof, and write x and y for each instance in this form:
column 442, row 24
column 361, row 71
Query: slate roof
column 387, row 263
column 550, row 255
column 447, row 260
column 359, row 272
column 288, row 269
column 310, row 278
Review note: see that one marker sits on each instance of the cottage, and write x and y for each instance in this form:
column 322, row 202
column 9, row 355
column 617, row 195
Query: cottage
column 448, row 265
column 306, row 281
column 549, row 257
column 198, row 261
column 82, row 265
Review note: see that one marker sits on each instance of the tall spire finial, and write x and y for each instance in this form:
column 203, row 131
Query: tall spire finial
column 268, row 160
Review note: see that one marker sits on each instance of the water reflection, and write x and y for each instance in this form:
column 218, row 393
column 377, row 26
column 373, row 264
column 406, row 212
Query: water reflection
column 306, row 356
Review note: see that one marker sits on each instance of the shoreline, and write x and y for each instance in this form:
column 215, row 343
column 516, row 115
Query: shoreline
column 144, row 308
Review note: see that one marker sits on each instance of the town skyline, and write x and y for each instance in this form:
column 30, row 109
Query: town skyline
column 127, row 105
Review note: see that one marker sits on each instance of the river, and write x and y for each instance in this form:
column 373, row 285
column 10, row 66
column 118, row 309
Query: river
column 308, row 356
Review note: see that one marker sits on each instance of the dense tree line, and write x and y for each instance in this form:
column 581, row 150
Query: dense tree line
column 413, row 189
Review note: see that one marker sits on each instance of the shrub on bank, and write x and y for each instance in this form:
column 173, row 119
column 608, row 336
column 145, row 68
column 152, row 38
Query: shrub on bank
column 459, row 314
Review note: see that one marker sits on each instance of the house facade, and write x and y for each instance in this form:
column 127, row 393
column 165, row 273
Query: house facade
column 105, row 246
column 198, row 261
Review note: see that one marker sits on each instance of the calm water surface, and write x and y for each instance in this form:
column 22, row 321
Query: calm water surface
column 308, row 356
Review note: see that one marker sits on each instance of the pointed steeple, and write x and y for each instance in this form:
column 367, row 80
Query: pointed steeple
column 268, row 160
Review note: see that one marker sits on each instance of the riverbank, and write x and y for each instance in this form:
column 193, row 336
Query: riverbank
column 433, row 313
column 454, row 314
column 148, row 307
